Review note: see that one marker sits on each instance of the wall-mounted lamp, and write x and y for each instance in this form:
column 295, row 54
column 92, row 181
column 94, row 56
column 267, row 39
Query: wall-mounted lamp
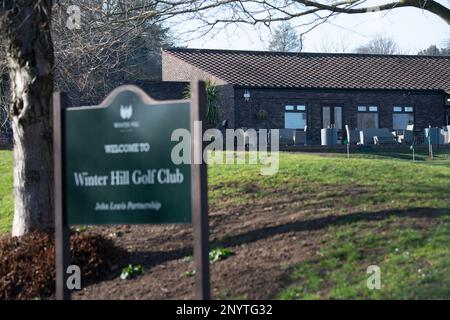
column 247, row 95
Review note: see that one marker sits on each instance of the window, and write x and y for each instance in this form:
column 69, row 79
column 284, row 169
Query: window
column 326, row 117
column 409, row 109
column 289, row 108
column 402, row 117
column 403, row 109
column 295, row 117
column 367, row 117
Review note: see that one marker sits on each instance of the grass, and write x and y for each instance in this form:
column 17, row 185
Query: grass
column 441, row 157
column 6, row 191
column 392, row 183
column 412, row 250
column 414, row 264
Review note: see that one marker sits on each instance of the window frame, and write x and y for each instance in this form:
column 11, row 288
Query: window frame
column 361, row 109
column 289, row 107
column 367, row 109
column 403, row 110
column 297, row 108
column 332, row 109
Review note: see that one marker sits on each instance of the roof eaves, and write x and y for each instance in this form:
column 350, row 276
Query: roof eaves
column 318, row 54
column 243, row 86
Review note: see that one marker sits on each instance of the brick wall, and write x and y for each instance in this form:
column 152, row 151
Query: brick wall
column 174, row 69
column 157, row 90
column 227, row 111
column 160, row 90
column 429, row 107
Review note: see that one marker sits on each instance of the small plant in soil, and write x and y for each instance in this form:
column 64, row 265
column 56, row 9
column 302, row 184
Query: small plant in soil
column 218, row 254
column 188, row 259
column 80, row 229
column 189, row 273
column 131, row 271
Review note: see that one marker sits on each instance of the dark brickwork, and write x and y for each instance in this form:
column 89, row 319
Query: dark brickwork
column 160, row 90
column 429, row 108
column 227, row 107
column 175, row 69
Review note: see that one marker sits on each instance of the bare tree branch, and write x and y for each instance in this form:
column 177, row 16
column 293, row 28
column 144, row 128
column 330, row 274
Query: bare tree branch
column 266, row 11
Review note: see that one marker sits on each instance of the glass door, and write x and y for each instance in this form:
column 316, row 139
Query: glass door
column 332, row 117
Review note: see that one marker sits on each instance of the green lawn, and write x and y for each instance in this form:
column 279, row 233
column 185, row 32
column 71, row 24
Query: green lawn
column 6, row 191
column 414, row 263
column 388, row 211
column 398, row 219
column 394, row 183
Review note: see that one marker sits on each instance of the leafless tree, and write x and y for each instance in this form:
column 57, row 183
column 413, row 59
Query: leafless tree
column 26, row 25
column 434, row 50
column 4, row 91
column 85, row 58
column 93, row 55
column 4, row 106
column 217, row 13
column 380, row 45
column 285, row 39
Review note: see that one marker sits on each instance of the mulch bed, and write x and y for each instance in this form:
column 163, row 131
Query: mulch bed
column 27, row 264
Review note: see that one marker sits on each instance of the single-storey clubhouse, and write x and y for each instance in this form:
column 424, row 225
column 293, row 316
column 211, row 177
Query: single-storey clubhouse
column 312, row 91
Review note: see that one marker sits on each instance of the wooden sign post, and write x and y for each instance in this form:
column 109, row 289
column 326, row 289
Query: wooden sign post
column 199, row 194
column 62, row 232
column 113, row 165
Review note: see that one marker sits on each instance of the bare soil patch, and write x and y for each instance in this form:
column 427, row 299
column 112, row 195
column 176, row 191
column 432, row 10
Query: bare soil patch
column 27, row 264
column 268, row 237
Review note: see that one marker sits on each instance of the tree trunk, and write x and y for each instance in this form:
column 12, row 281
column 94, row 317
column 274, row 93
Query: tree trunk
column 30, row 59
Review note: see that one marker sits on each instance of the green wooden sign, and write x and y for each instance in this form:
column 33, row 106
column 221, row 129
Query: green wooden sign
column 118, row 167
column 113, row 165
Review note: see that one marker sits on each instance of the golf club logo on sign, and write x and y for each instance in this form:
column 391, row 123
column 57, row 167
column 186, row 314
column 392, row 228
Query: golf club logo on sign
column 126, row 112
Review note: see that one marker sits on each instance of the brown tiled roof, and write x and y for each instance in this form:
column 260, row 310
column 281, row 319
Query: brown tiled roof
column 320, row 70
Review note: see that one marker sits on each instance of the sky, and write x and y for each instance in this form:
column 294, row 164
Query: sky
column 413, row 29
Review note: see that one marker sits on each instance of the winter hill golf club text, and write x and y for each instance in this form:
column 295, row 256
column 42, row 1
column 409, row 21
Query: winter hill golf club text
column 126, row 177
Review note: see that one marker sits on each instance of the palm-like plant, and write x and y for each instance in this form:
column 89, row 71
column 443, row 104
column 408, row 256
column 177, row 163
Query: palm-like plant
column 212, row 103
